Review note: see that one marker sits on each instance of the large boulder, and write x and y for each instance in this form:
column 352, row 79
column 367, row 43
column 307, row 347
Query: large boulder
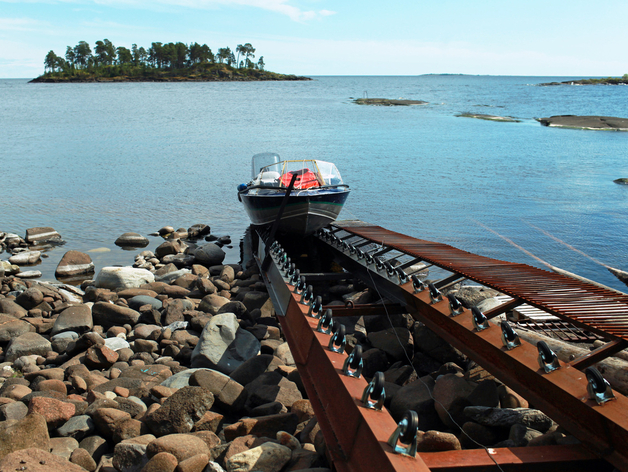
column 223, row 345
column 120, row 278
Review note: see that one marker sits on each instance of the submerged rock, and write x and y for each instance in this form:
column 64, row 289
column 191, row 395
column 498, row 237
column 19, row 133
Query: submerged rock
column 586, row 122
column 482, row 116
column 388, row 102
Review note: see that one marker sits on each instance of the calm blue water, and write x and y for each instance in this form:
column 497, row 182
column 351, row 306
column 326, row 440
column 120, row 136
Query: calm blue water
column 96, row 160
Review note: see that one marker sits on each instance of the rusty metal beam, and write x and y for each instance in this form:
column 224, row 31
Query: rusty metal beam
column 572, row 458
column 599, row 354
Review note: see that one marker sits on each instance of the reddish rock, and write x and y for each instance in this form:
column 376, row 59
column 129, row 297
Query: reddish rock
column 433, row 441
column 182, row 446
column 243, row 443
column 52, row 385
column 54, row 411
column 195, row 463
column 37, row 460
column 105, row 419
column 82, row 458
column 100, row 357
column 162, row 462
column 210, row 421
column 16, row 392
column 303, row 409
column 210, row 438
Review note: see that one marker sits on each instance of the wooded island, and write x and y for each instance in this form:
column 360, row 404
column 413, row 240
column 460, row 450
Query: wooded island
column 161, row 62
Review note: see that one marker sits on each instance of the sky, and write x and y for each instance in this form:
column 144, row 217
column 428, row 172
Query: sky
column 571, row 38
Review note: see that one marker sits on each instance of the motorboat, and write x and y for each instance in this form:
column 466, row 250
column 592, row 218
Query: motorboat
column 315, row 200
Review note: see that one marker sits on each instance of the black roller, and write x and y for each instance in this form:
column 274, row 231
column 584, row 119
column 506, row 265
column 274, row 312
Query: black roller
column 454, row 303
column 433, row 291
column 410, row 428
column 378, row 386
column 478, row 315
column 595, row 379
column 356, row 356
column 509, row 333
column 546, row 353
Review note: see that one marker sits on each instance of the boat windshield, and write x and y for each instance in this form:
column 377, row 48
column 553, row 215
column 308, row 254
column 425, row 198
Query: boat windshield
column 262, row 160
column 309, row 174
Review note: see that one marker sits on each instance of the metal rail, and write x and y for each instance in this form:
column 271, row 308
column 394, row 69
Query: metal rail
column 357, row 437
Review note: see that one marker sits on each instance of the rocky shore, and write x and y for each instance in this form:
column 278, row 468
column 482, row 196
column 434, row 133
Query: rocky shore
column 179, row 363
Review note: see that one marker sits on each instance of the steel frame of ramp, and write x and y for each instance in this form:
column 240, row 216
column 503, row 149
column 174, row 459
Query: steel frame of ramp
column 356, row 436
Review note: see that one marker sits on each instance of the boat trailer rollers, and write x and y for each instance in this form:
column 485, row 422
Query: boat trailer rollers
column 361, row 435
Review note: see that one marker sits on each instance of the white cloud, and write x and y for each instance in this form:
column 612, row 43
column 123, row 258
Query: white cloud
column 283, row 7
column 19, row 24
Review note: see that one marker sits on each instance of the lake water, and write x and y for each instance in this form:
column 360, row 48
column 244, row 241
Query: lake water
column 97, row 160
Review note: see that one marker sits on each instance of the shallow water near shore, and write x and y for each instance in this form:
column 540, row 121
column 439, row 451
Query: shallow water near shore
column 97, row 160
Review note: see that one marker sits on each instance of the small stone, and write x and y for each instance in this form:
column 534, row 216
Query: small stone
column 76, row 318
column 180, row 411
column 63, row 447
column 267, row 426
column 195, row 463
column 433, row 441
column 25, row 258
column 82, row 458
column 131, row 240
column 182, row 446
column 130, row 454
column 161, row 462
column 268, row 457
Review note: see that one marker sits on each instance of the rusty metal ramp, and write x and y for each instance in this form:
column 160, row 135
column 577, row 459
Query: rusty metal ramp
column 361, row 437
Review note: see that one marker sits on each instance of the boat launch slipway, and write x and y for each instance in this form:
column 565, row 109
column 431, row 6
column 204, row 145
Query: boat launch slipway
column 316, row 193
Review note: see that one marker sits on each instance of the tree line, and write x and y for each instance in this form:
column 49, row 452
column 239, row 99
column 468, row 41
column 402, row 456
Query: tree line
column 169, row 56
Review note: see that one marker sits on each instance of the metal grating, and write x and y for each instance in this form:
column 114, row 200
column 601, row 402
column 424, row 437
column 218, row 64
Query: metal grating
column 604, row 312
